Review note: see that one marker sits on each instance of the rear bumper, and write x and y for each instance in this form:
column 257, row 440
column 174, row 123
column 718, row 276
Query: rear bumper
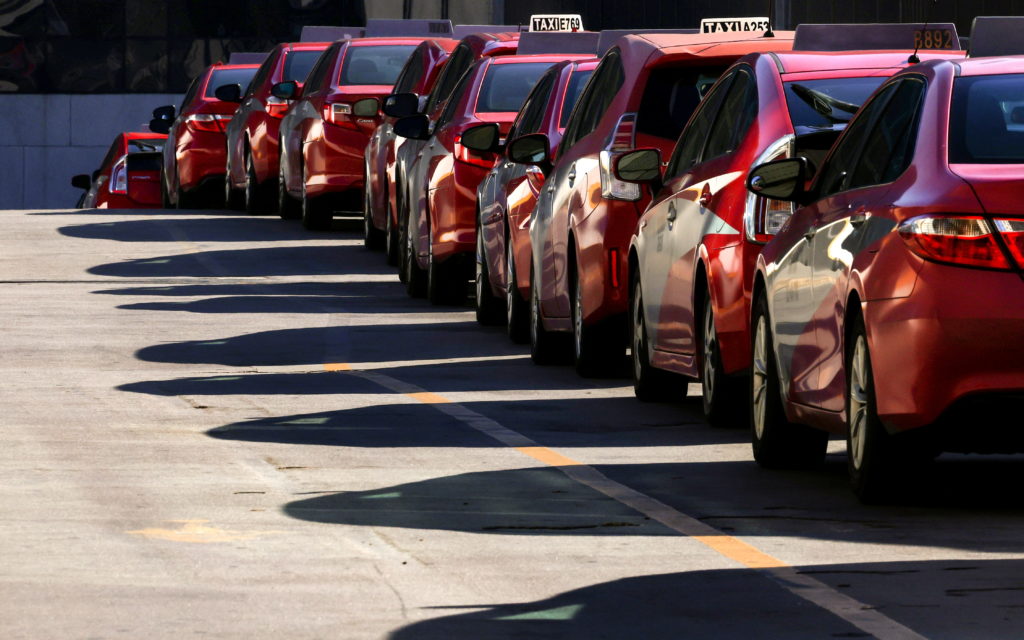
column 339, row 164
column 204, row 156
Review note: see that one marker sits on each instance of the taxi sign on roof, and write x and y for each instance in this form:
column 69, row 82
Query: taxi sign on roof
column 246, row 57
column 609, row 36
column 866, row 37
column 996, row 36
column 463, row 30
column 408, row 28
column 556, row 22
column 731, row 25
column 314, row 33
column 535, row 42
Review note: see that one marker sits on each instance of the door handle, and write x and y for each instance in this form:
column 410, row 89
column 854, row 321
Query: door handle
column 672, row 212
column 705, row 198
column 809, row 234
column 572, row 174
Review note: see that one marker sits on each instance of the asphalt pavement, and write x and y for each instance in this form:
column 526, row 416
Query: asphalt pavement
column 223, row 426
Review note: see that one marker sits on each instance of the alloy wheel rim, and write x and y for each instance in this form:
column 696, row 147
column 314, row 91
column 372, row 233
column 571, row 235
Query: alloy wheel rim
column 709, row 354
column 534, row 316
column 858, row 417
column 510, row 284
column 479, row 271
column 577, row 319
column 760, row 377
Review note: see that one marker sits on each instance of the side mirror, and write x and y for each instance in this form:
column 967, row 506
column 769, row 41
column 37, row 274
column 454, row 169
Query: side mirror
column 416, row 127
column 639, row 166
column 784, row 179
column 483, row 138
column 287, row 90
column 160, row 125
column 229, row 93
column 81, row 181
column 166, row 112
column 366, row 108
column 531, row 149
column 401, row 105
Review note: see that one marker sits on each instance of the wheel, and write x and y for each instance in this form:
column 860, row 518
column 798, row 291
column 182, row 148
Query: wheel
column 373, row 238
column 517, row 310
column 722, row 395
column 650, row 384
column 545, row 346
column 872, row 454
column 234, row 199
column 415, row 277
column 165, row 198
column 596, row 350
column 777, row 443
column 392, row 247
column 287, row 207
column 316, row 213
column 184, row 198
column 489, row 307
column 445, row 285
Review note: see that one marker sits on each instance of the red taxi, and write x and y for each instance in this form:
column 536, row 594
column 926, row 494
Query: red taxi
column 252, row 133
column 506, row 198
column 128, row 177
column 470, row 49
column 692, row 257
column 324, row 135
column 417, row 77
column 641, row 94
column 443, row 183
column 194, row 156
column 889, row 307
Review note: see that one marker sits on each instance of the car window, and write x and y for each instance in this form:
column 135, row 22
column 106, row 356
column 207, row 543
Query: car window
column 827, row 103
column 596, row 98
column 691, row 141
column 190, row 94
column 146, row 144
column 262, row 74
column 986, row 120
column 532, row 114
column 315, row 79
column 298, row 63
column 221, row 77
column 835, row 175
column 506, row 86
column 454, row 100
column 411, row 73
column 670, row 97
column 887, row 149
column 577, row 82
column 457, row 64
column 734, row 116
column 377, row 65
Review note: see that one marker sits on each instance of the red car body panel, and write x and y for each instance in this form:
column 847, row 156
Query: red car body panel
column 937, row 333
column 380, row 152
column 196, row 153
column 505, row 208
column 142, row 187
column 576, row 227
column 254, row 129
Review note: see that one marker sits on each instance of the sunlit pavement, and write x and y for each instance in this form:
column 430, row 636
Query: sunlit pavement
column 226, row 426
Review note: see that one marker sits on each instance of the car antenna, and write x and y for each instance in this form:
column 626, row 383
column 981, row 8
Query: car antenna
column 913, row 59
column 771, row 18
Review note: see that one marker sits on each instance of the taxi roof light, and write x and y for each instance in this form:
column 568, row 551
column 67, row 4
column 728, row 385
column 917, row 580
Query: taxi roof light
column 866, row 37
column 317, row 33
column 996, row 36
column 247, row 57
column 460, row 31
column 389, row 27
column 540, row 42
column 610, row 36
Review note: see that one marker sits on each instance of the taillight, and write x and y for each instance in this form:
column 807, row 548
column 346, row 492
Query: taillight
column 1012, row 231
column 535, row 176
column 475, row 158
column 119, row 176
column 339, row 113
column 276, row 107
column 962, row 240
column 762, row 217
column 623, row 139
column 613, row 267
column 207, row 121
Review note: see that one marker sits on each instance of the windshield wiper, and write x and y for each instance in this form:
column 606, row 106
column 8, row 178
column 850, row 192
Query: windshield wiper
column 824, row 103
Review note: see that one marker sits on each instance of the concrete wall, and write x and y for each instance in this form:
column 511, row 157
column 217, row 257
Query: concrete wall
column 46, row 139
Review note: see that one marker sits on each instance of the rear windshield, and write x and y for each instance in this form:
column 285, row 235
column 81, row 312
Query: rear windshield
column 670, row 98
column 986, row 120
column 823, row 104
column 506, row 85
column 221, row 77
column 144, row 162
column 298, row 63
column 577, row 81
column 374, row 65
column 146, row 144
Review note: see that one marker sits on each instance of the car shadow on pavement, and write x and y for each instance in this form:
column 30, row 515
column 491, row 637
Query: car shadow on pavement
column 174, row 229
column 936, row 598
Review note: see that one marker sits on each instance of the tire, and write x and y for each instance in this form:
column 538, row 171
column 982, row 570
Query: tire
column 517, row 309
column 392, row 248
column 545, row 346
column 722, row 396
column 373, row 238
column 184, row 199
column 490, row 309
column 165, row 198
column 287, row 207
column 650, row 384
column 872, row 455
column 316, row 213
column 777, row 443
column 597, row 351
column 415, row 277
column 234, row 199
column 445, row 285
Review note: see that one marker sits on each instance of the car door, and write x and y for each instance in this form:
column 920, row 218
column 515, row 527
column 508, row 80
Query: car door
column 850, row 223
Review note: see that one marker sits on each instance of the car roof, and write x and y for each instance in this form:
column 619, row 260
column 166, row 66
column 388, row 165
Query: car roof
column 303, row 46
column 703, row 44
column 990, row 66
column 542, row 57
column 136, row 135
column 804, row 61
column 371, row 42
column 219, row 65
